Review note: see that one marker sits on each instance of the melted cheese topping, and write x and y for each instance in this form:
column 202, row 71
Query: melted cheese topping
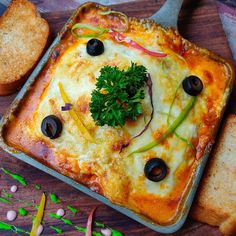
column 101, row 165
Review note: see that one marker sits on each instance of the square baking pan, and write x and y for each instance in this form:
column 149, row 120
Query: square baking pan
column 30, row 160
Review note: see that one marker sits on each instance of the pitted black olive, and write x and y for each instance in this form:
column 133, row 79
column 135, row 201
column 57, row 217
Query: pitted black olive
column 95, row 47
column 51, row 127
column 192, row 85
column 155, row 169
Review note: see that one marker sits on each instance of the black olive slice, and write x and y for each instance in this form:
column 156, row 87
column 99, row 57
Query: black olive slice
column 155, row 169
column 192, row 85
column 51, row 127
column 95, row 47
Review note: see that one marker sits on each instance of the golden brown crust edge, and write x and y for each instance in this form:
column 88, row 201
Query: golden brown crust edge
column 157, row 26
column 11, row 81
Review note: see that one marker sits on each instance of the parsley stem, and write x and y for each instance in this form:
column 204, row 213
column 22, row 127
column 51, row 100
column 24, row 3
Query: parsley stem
column 177, row 122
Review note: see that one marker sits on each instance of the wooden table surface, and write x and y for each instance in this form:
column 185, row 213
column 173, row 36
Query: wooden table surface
column 200, row 23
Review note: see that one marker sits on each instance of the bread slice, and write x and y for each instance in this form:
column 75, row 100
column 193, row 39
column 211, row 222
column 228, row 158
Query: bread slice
column 23, row 37
column 215, row 202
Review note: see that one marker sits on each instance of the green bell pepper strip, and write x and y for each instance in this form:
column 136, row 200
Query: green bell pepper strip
column 98, row 30
column 177, row 122
column 168, row 120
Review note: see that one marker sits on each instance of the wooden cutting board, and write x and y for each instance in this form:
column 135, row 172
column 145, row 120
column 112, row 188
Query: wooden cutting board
column 200, row 23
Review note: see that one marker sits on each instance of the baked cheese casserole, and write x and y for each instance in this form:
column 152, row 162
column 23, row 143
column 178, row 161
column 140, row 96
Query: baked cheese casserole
column 126, row 108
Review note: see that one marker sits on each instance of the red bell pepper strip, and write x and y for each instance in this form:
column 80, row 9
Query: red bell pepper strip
column 90, row 222
column 119, row 37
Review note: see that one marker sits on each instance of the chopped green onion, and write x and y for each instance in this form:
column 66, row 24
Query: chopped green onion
column 171, row 129
column 116, row 233
column 125, row 18
column 82, row 229
column 101, row 225
column 22, row 211
column 59, row 231
column 54, row 216
column 4, row 200
column 98, row 31
column 72, row 209
column 66, row 221
column 54, row 198
column 19, row 178
column 6, row 194
column 37, row 186
column 7, row 227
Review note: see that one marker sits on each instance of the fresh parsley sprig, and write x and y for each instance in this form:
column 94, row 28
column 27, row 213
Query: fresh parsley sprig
column 118, row 95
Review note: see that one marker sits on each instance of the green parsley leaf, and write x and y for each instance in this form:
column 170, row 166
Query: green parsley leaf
column 118, row 95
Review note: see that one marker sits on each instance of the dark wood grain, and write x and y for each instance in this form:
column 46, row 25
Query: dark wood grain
column 200, row 23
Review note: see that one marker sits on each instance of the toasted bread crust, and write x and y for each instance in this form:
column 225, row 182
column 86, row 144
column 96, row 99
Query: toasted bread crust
column 215, row 203
column 23, row 37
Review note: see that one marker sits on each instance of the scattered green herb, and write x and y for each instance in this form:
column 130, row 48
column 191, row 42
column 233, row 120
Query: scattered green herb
column 54, row 216
column 5, row 226
column 37, row 186
column 59, row 231
column 72, row 209
column 16, row 177
column 98, row 224
column 6, row 194
column 82, row 229
column 37, row 206
column 24, row 202
column 54, row 198
column 8, row 227
column 66, row 221
column 22, row 211
column 4, row 200
column 116, row 232
column 118, row 95
column 171, row 129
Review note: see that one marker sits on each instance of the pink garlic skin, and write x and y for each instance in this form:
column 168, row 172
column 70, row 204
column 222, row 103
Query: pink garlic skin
column 11, row 215
column 39, row 230
column 106, row 232
column 60, row 212
column 13, row 188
